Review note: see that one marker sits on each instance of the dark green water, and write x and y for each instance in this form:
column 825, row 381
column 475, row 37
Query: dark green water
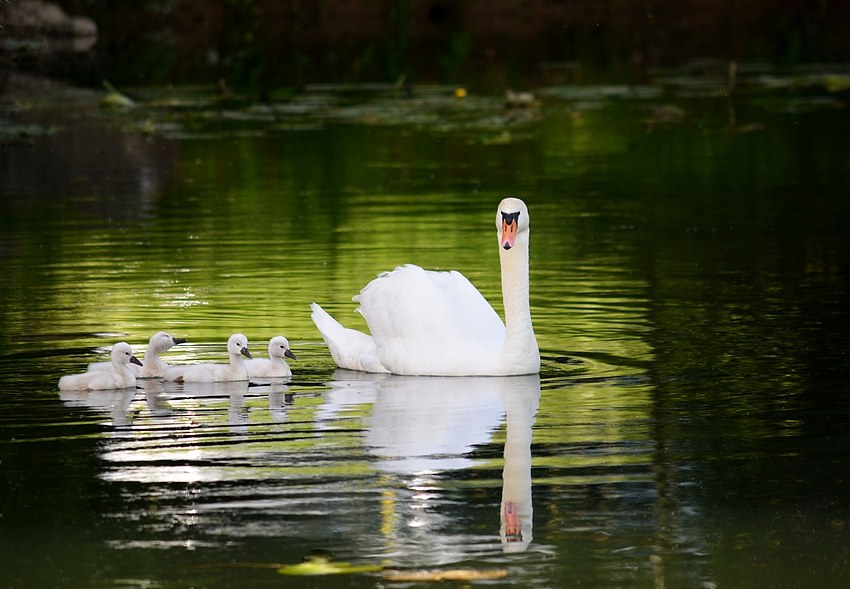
column 689, row 286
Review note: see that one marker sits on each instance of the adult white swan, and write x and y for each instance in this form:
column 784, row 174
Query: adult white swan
column 438, row 324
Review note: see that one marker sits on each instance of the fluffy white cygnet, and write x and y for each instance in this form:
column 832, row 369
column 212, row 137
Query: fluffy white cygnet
column 153, row 366
column 119, row 377
column 237, row 346
column 275, row 365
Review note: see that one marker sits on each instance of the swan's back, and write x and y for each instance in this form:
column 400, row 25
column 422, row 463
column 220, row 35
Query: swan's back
column 213, row 373
column 237, row 347
column 409, row 309
column 96, row 381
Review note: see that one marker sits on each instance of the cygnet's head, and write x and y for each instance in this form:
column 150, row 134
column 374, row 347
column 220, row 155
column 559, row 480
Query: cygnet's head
column 238, row 344
column 279, row 347
column 163, row 341
column 512, row 222
column 123, row 353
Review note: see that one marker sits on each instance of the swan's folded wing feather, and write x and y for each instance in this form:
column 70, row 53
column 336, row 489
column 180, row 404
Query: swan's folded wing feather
column 422, row 321
column 349, row 348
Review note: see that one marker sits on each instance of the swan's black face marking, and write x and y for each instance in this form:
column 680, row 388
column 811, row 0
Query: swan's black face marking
column 510, row 224
column 510, row 218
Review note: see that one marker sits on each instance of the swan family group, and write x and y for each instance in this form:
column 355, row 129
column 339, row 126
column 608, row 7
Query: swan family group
column 421, row 322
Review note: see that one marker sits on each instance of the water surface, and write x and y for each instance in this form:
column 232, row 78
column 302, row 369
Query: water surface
column 689, row 286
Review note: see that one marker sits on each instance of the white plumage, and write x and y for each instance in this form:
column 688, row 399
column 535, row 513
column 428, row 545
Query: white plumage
column 437, row 323
column 118, row 377
column 275, row 365
column 153, row 366
column 237, row 346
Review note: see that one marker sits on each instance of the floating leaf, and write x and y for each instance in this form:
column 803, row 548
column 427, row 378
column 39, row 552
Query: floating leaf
column 319, row 563
column 114, row 99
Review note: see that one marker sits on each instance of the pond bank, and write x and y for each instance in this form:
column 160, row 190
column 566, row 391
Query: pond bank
column 491, row 45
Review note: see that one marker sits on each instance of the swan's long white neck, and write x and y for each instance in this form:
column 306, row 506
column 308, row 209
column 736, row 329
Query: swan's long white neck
column 153, row 362
column 520, row 344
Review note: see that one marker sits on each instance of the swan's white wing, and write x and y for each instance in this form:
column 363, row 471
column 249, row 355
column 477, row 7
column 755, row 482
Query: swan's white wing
column 425, row 322
column 349, row 348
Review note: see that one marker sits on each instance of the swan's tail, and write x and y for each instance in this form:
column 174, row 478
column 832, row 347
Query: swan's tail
column 350, row 349
column 332, row 330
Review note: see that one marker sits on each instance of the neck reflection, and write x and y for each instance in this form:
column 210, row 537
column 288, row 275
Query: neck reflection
column 420, row 427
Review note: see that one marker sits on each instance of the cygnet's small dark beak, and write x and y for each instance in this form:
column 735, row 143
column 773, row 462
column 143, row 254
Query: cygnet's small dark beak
column 179, row 340
column 246, row 353
column 135, row 361
column 289, row 354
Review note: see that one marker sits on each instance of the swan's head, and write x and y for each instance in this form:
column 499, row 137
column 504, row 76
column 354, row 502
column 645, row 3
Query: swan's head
column 164, row 341
column 238, row 344
column 511, row 221
column 279, row 347
column 123, row 353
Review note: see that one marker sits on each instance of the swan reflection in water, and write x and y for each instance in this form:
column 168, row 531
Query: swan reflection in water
column 419, row 426
column 115, row 402
column 160, row 398
column 213, row 393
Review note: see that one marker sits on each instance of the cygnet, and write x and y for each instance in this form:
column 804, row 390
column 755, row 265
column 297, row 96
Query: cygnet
column 237, row 346
column 275, row 365
column 119, row 377
column 153, row 366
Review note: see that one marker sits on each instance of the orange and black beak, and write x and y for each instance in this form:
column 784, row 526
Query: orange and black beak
column 510, row 221
column 513, row 526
